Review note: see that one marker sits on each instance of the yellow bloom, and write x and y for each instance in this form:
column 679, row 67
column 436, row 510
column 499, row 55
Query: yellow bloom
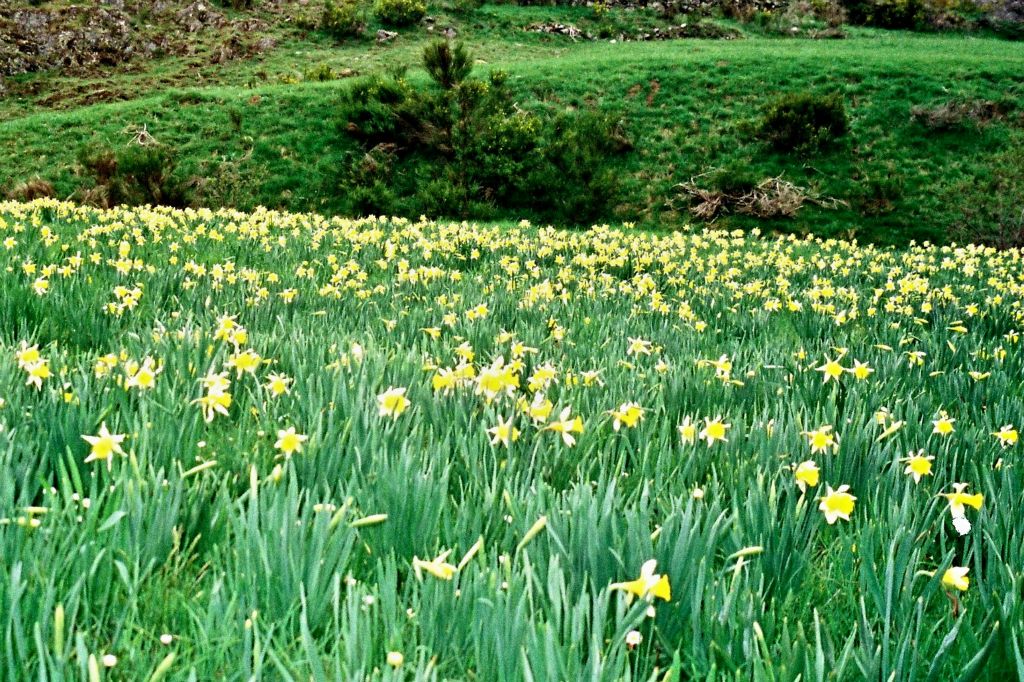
column 142, row 377
column 541, row 378
column 28, row 355
column 955, row 577
column 104, row 445
column 688, row 431
column 37, row 372
column 438, row 567
column 566, row 426
column 245, row 361
column 638, row 347
column 861, row 370
column 943, row 425
column 649, row 585
column 214, row 403
column 628, row 413
column 831, row 370
column 445, row 380
column 821, row 439
column 392, row 402
column 278, row 384
column 714, row 429
column 497, row 379
column 539, row 409
column 837, row 504
column 958, row 499
column 1007, row 435
column 806, row 474
column 918, row 465
column 504, row 433
column 289, row 442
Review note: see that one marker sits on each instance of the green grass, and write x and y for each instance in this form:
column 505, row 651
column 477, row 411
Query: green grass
column 689, row 106
column 204, row 548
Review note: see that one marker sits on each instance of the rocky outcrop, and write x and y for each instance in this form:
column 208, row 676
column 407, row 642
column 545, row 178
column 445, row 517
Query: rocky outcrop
column 103, row 33
column 34, row 39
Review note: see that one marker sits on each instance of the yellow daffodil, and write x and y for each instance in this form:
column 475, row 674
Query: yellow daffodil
column 714, row 430
column 142, row 377
column 861, row 370
column 278, row 385
column 504, row 433
column 627, row 414
column 639, row 347
column 837, row 504
column 649, row 585
column 392, row 402
column 289, row 442
column 104, row 446
column 943, row 425
column 807, row 475
column 959, row 500
column 918, row 465
column 566, row 425
column 687, row 431
column 1007, row 435
column 438, row 567
column 831, row 370
column 822, row 439
column 956, row 578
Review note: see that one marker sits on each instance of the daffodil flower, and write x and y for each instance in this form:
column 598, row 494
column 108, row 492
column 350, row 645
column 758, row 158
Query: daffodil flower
column 837, row 504
column 959, row 500
column 104, row 446
column 956, row 578
column 649, row 585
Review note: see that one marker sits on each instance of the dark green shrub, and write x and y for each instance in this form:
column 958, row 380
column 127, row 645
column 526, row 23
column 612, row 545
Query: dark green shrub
column 468, row 6
column 135, row 175
column 342, row 19
column 892, row 14
column 733, row 181
column 447, row 64
column 804, row 122
column 239, row 4
column 878, row 195
column 990, row 207
column 400, row 12
column 466, row 150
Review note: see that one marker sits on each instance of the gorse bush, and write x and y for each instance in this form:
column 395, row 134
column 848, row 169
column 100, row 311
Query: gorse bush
column 464, row 149
column 134, row 175
column 342, row 18
column 890, row 14
column 804, row 122
column 400, row 12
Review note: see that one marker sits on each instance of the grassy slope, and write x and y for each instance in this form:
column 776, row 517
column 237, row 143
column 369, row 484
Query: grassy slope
column 688, row 104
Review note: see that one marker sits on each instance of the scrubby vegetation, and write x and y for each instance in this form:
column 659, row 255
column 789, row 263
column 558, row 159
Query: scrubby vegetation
column 463, row 148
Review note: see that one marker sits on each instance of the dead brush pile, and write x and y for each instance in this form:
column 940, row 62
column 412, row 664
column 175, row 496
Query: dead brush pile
column 770, row 198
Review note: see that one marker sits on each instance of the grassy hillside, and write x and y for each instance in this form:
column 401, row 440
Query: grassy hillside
column 690, row 108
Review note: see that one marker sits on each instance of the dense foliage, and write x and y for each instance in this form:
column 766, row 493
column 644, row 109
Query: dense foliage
column 465, row 148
